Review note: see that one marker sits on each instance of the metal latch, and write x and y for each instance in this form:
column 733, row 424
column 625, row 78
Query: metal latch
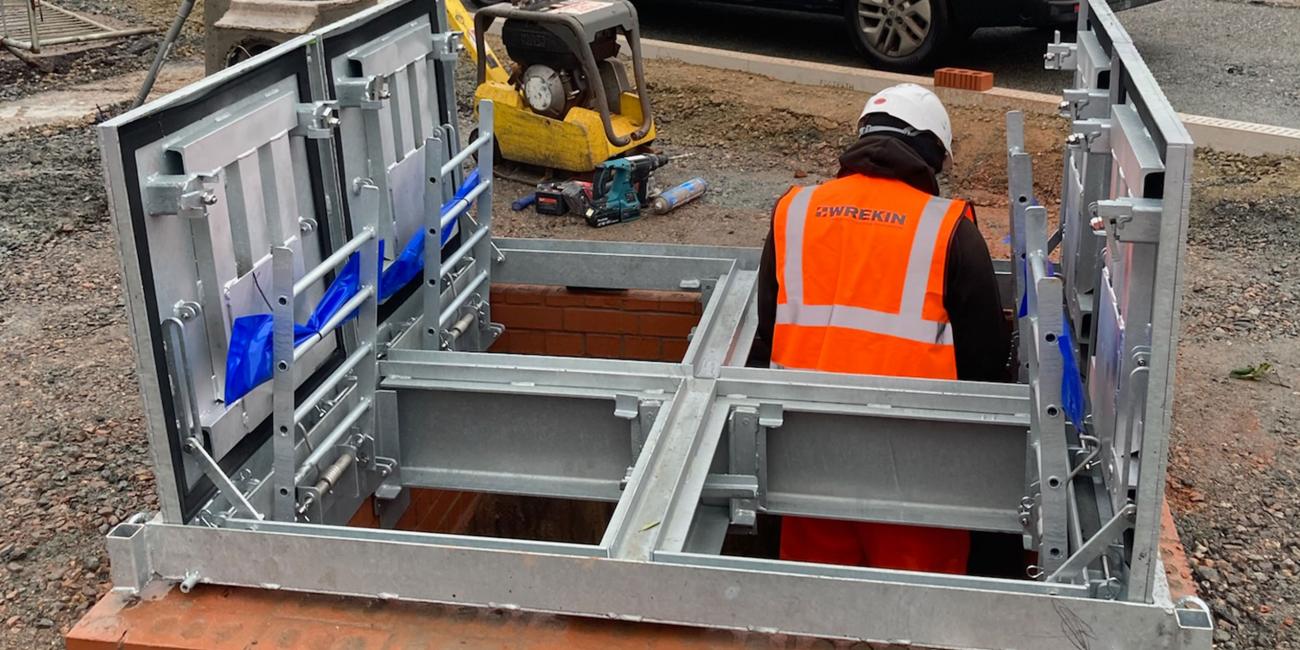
column 1061, row 56
column 1092, row 135
column 641, row 415
column 316, row 120
column 747, row 457
column 363, row 92
column 1085, row 104
column 182, row 195
column 1129, row 220
column 447, row 46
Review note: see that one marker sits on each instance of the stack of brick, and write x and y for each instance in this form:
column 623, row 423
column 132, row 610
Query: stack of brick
column 555, row 321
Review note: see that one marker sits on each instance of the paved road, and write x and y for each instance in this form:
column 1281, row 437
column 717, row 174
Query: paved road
column 1213, row 57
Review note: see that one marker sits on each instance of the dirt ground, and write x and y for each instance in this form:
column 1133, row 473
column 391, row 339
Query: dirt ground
column 71, row 428
column 752, row 138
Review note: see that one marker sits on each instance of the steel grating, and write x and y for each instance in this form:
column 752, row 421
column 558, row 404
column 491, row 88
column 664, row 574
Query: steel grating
column 33, row 24
column 242, row 194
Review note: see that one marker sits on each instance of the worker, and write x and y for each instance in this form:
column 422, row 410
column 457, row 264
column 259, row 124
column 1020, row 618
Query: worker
column 874, row 273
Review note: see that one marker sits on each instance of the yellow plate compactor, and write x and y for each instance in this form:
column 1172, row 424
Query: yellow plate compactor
column 568, row 104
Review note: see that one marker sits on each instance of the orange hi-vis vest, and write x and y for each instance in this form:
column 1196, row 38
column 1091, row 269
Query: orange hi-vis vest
column 860, row 265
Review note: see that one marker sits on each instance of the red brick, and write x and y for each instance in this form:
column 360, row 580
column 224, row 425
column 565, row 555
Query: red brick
column 527, row 342
column 605, row 346
column 675, row 349
column 963, row 79
column 533, row 317
column 526, row 294
column 564, row 298
column 674, row 325
column 421, row 504
column 641, row 304
column 365, row 515
column 599, row 321
column 644, row 348
column 564, row 344
column 503, row 343
column 682, row 305
column 452, row 513
column 607, row 299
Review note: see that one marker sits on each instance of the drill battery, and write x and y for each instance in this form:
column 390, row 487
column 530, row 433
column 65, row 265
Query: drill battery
column 559, row 199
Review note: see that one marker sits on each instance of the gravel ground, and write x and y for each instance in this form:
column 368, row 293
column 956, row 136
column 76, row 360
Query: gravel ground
column 71, row 417
column 71, row 424
column 17, row 79
column 103, row 60
column 1234, row 462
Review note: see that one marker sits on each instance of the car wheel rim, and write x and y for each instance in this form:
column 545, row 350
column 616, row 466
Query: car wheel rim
column 894, row 28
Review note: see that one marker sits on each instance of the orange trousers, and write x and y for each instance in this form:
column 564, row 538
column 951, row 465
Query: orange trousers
column 882, row 546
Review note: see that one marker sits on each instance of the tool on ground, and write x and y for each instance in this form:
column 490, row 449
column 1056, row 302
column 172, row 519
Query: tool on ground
column 621, row 187
column 568, row 104
column 523, row 202
column 676, row 197
column 560, row 198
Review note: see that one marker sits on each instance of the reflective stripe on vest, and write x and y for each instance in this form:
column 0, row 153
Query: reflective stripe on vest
column 907, row 324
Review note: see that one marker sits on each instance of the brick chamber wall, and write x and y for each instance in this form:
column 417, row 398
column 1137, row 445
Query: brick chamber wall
column 633, row 324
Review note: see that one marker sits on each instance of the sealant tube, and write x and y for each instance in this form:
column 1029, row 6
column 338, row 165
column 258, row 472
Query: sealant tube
column 678, row 196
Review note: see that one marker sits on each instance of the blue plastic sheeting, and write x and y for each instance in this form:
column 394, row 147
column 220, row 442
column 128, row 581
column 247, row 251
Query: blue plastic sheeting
column 410, row 262
column 248, row 360
column 1071, row 381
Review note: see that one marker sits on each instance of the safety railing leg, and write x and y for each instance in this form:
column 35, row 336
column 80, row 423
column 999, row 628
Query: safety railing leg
column 483, row 253
column 435, row 159
column 367, row 329
column 284, row 457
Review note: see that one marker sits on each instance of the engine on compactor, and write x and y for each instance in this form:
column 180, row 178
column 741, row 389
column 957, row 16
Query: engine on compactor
column 550, row 70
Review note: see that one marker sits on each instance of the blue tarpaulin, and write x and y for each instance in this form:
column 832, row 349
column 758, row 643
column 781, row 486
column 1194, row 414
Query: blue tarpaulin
column 248, row 360
column 1071, row 381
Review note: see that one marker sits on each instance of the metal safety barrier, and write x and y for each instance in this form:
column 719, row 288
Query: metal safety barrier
column 26, row 25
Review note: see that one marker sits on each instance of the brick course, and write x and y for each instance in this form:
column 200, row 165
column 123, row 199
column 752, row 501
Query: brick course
column 633, row 324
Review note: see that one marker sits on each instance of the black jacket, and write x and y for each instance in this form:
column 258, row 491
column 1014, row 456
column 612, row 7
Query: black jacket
column 981, row 333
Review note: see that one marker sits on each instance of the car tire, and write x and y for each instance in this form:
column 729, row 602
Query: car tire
column 899, row 34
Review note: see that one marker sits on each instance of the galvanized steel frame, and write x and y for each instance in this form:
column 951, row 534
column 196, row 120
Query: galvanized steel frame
column 687, row 450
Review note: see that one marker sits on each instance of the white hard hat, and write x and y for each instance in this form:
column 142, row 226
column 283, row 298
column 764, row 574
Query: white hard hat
column 917, row 106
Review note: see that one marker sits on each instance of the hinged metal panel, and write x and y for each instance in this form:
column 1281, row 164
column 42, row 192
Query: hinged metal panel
column 227, row 154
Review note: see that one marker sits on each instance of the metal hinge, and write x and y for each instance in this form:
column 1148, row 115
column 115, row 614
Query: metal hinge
column 316, row 121
column 182, row 195
column 1128, row 220
column 363, row 92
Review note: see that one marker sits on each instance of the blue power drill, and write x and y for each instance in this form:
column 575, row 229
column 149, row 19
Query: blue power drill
column 621, row 186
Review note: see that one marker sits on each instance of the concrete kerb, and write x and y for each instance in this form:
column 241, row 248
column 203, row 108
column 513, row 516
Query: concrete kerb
column 1212, row 132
